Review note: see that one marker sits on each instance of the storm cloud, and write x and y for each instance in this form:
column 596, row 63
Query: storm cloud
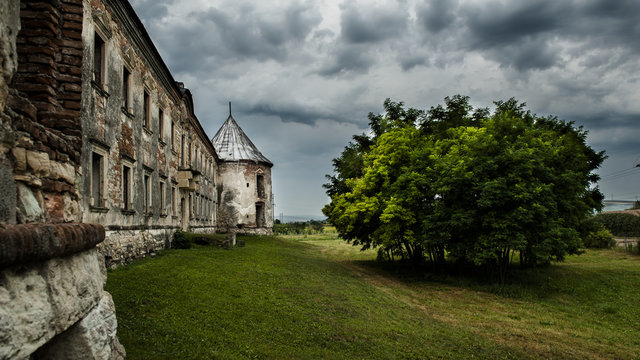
column 303, row 75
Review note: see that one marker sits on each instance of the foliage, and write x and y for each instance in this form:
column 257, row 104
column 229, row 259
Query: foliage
column 479, row 187
column 316, row 297
column 181, row 240
column 595, row 235
column 636, row 205
column 620, row 224
column 299, row 228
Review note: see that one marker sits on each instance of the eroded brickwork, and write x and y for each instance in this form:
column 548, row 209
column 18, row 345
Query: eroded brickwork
column 51, row 274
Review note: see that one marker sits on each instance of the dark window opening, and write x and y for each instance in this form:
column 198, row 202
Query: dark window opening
column 97, row 177
column 126, row 195
column 259, row 215
column 160, row 124
column 125, row 88
column 145, row 110
column 98, row 59
column 260, row 182
column 147, row 193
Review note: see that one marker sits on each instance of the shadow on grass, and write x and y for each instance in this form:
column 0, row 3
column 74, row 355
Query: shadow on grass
column 521, row 283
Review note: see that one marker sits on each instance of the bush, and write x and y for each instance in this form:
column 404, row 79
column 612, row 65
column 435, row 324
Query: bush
column 620, row 224
column 601, row 239
column 180, row 240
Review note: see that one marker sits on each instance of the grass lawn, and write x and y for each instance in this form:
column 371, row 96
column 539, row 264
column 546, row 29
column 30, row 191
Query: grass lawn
column 316, row 297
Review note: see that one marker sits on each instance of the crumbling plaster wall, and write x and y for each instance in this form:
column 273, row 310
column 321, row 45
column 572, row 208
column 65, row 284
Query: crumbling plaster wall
column 114, row 126
column 240, row 193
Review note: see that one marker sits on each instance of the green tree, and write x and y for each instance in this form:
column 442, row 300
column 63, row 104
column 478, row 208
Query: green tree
column 479, row 187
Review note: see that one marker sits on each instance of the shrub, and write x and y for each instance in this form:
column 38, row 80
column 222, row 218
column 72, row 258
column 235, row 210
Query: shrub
column 180, row 240
column 595, row 235
column 620, row 224
column 601, row 239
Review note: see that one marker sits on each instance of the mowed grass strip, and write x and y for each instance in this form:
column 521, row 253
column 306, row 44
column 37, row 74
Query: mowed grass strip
column 316, row 297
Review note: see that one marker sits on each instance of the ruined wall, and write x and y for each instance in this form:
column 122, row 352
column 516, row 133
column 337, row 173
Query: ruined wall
column 238, row 182
column 135, row 116
column 52, row 301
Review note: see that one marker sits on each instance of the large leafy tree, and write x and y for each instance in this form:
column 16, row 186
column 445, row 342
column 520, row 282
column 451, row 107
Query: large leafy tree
column 479, row 187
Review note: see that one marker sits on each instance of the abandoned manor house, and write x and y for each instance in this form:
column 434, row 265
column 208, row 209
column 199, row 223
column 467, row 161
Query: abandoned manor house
column 102, row 160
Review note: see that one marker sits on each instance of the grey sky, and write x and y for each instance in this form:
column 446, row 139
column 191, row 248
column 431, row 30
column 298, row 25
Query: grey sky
column 302, row 75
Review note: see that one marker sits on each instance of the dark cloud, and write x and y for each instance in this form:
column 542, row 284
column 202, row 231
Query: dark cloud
column 347, row 60
column 292, row 112
column 305, row 79
column 437, row 15
column 372, row 24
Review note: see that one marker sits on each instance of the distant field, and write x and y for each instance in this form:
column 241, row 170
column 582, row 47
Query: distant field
column 315, row 297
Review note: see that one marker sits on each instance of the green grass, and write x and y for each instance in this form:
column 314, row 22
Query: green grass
column 316, row 297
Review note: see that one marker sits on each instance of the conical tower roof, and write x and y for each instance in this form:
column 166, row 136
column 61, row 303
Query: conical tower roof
column 232, row 144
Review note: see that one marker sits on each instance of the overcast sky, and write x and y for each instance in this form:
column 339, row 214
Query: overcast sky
column 303, row 75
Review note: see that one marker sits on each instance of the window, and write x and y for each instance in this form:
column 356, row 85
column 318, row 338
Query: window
column 147, row 193
column 182, row 151
column 160, row 124
column 145, row 110
column 97, row 180
column 126, row 187
column 260, row 183
column 259, row 215
column 98, row 59
column 173, row 136
column 126, row 75
column 163, row 210
column 174, row 202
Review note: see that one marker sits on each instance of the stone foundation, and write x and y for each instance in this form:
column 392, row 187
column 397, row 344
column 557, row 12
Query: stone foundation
column 51, row 294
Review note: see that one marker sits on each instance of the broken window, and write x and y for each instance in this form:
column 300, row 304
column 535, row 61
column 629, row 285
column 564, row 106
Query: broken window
column 259, row 215
column 98, row 59
column 260, row 185
column 145, row 110
column 97, row 180
column 173, row 136
column 147, row 193
column 174, row 201
column 160, row 124
column 162, row 198
column 126, row 187
column 126, row 75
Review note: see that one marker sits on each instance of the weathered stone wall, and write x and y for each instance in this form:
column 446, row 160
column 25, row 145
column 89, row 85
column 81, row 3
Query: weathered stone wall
column 42, row 132
column 170, row 161
column 238, row 182
column 51, row 293
column 51, row 275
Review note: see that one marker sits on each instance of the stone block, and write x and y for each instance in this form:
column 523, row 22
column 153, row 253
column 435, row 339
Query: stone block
column 25, row 312
column 75, row 286
column 20, row 156
column 93, row 337
column 28, row 208
column 40, row 300
column 38, row 162
column 63, row 171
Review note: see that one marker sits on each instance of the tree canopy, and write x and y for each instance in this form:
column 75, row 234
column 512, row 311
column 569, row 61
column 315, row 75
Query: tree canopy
column 467, row 186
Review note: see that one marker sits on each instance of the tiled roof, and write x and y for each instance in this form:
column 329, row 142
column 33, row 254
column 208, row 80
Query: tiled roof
column 232, row 144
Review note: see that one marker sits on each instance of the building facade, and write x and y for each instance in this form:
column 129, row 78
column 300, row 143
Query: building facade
column 102, row 159
column 150, row 166
column 244, row 184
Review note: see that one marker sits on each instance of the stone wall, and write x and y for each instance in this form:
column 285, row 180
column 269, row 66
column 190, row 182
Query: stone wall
column 239, row 197
column 135, row 116
column 52, row 302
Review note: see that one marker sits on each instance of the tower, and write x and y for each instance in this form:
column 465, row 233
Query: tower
column 245, row 201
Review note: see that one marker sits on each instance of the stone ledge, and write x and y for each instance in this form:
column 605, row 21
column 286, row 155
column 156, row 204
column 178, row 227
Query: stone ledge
column 36, row 242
